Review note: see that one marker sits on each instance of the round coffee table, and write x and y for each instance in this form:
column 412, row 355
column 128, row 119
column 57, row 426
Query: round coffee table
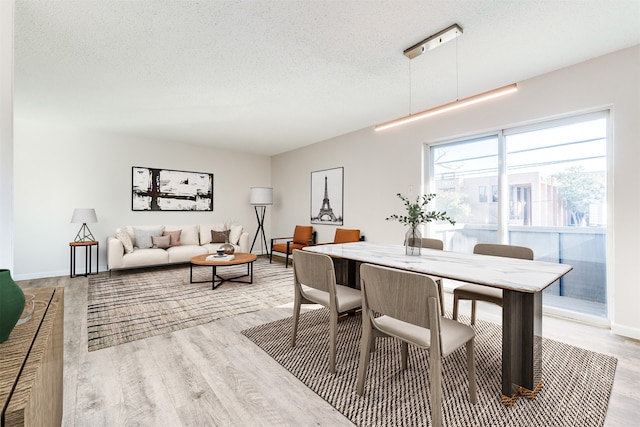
column 239, row 258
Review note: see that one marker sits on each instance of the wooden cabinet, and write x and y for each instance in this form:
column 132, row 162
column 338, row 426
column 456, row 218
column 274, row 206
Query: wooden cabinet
column 31, row 363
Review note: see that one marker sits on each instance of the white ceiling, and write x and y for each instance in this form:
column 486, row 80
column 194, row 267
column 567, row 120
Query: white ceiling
column 270, row 76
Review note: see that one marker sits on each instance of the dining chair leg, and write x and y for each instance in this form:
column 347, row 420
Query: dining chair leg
column 296, row 315
column 471, row 369
column 441, row 292
column 404, row 352
column 473, row 312
column 435, row 380
column 332, row 340
column 455, row 307
column 365, row 354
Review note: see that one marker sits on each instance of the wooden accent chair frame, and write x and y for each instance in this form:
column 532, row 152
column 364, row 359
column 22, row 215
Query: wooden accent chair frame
column 303, row 236
column 485, row 293
column 314, row 282
column 409, row 310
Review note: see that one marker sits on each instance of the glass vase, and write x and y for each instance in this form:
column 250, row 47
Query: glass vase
column 413, row 241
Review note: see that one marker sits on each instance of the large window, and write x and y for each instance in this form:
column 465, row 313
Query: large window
column 548, row 192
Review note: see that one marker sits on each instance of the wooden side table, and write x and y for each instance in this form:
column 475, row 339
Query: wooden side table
column 31, row 371
column 87, row 256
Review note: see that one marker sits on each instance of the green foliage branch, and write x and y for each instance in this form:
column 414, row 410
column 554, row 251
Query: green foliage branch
column 417, row 213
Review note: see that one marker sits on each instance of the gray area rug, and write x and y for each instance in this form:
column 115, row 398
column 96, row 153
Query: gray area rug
column 133, row 305
column 576, row 382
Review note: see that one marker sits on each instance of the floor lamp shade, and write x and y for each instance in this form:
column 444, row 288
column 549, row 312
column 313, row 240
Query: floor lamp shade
column 261, row 196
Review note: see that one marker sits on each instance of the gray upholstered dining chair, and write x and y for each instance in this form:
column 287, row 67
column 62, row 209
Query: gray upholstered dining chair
column 314, row 280
column 485, row 293
column 407, row 307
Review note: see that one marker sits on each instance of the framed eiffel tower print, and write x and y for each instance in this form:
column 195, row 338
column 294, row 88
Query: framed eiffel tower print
column 327, row 189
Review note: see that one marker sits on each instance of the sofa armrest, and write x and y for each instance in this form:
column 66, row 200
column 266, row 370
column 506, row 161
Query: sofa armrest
column 115, row 253
column 243, row 242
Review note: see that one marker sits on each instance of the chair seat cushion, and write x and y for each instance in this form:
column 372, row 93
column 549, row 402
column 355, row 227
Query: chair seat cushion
column 483, row 293
column 348, row 298
column 282, row 247
column 453, row 333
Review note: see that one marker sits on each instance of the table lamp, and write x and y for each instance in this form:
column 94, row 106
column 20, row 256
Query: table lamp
column 260, row 197
column 84, row 216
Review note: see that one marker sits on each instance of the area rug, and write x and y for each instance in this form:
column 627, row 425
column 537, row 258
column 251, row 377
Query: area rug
column 133, row 305
column 576, row 382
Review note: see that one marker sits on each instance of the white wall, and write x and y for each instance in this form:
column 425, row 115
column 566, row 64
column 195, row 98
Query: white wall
column 57, row 170
column 6, row 134
column 380, row 164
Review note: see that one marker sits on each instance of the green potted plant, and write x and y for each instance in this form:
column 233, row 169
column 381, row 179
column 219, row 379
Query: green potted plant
column 417, row 214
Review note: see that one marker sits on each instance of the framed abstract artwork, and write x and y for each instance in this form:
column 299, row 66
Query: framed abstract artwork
column 170, row 190
column 327, row 188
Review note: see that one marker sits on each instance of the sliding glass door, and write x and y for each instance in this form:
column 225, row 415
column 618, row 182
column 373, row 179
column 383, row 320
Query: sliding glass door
column 541, row 186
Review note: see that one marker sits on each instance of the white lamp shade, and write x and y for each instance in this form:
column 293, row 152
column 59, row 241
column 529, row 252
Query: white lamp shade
column 261, row 196
column 83, row 216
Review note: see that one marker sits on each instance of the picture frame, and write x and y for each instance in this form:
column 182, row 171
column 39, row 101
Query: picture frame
column 327, row 196
column 170, row 190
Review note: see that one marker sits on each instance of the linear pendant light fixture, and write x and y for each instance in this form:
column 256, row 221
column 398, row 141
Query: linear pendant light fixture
column 430, row 43
column 450, row 106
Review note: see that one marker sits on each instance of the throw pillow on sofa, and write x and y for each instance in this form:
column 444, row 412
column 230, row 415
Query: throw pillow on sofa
column 143, row 236
column 235, row 233
column 161, row 242
column 175, row 237
column 125, row 239
column 219, row 236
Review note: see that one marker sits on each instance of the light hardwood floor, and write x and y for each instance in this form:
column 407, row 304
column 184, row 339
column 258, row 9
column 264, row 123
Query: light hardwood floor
column 211, row 375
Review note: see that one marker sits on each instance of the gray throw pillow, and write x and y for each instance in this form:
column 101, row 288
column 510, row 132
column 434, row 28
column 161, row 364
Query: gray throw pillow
column 143, row 236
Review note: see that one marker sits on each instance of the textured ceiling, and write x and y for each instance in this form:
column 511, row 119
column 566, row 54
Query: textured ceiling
column 270, row 76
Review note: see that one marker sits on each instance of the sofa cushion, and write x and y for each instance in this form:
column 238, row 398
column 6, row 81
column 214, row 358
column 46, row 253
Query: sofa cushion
column 189, row 234
column 219, row 236
column 174, row 235
column 161, row 242
column 145, row 257
column 235, row 233
column 184, row 253
column 125, row 239
column 143, row 236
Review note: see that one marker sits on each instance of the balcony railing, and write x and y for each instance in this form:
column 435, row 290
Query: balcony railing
column 583, row 290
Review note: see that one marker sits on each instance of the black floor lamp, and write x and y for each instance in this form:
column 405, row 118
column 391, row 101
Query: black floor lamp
column 260, row 197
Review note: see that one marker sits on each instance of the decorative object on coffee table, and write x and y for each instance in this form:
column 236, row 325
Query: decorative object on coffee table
column 260, row 197
column 11, row 304
column 84, row 215
column 417, row 215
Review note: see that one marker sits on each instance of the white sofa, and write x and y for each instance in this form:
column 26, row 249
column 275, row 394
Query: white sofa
column 123, row 252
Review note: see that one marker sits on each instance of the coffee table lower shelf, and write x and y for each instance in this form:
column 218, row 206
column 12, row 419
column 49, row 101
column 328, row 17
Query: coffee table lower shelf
column 216, row 280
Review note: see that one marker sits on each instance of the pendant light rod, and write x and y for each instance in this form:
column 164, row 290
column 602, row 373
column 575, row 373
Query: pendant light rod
column 450, row 106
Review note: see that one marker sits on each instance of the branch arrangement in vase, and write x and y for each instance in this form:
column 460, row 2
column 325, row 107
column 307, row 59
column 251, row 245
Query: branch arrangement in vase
column 417, row 213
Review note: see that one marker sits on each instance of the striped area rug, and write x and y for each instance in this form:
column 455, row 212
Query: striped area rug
column 138, row 304
column 576, row 382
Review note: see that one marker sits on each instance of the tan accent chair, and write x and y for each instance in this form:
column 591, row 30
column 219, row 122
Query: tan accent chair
column 485, row 293
column 303, row 236
column 314, row 280
column 408, row 306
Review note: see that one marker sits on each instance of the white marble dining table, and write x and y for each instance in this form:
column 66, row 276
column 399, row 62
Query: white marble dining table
column 522, row 282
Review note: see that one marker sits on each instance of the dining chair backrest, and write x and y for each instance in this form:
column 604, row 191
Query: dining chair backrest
column 346, row 236
column 399, row 294
column 507, row 251
column 314, row 270
column 428, row 243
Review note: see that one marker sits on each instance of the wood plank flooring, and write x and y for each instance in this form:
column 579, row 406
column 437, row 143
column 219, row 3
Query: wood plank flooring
column 211, row 375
